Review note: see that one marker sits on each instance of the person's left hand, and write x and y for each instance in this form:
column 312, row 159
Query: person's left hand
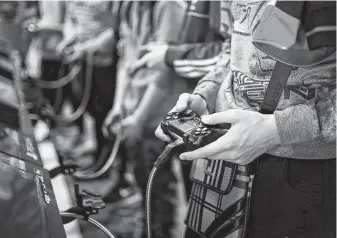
column 251, row 135
column 75, row 52
column 132, row 129
column 153, row 59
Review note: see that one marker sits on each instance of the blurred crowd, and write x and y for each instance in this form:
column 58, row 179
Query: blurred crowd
column 125, row 64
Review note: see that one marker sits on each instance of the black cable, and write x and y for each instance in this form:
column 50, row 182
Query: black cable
column 148, row 201
column 171, row 149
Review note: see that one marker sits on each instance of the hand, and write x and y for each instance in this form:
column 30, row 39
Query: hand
column 63, row 45
column 186, row 101
column 251, row 135
column 75, row 52
column 110, row 124
column 153, row 59
column 132, row 129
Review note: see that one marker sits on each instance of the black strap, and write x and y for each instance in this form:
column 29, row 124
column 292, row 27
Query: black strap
column 275, row 88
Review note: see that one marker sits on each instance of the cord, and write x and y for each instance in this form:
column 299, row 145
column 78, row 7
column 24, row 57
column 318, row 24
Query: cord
column 86, row 95
column 106, row 166
column 91, row 220
column 148, row 201
column 171, row 149
column 59, row 83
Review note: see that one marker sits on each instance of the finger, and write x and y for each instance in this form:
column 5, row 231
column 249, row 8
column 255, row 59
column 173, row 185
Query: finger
column 183, row 102
column 150, row 46
column 229, row 116
column 141, row 63
column 161, row 135
column 226, row 156
column 206, row 151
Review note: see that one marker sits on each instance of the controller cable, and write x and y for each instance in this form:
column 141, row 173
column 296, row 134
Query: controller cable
column 89, row 219
column 171, row 149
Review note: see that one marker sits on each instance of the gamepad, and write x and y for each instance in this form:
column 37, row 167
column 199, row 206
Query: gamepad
column 189, row 127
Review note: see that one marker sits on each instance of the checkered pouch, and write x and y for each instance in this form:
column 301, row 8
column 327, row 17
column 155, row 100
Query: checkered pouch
column 220, row 197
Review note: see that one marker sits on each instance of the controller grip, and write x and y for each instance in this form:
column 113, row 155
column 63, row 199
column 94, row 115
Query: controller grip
column 216, row 134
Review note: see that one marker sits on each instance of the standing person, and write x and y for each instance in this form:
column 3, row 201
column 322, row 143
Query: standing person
column 296, row 145
column 88, row 28
column 192, row 58
column 147, row 93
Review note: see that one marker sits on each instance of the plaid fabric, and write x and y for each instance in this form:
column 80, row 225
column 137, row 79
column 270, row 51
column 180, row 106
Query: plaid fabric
column 218, row 203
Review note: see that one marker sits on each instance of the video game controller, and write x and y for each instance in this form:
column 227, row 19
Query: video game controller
column 189, row 127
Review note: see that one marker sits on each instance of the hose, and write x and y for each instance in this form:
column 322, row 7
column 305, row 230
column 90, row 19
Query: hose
column 65, row 120
column 62, row 81
column 82, row 175
column 91, row 220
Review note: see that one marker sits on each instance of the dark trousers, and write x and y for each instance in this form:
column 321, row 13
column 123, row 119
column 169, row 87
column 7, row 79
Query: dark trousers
column 101, row 100
column 292, row 198
column 143, row 155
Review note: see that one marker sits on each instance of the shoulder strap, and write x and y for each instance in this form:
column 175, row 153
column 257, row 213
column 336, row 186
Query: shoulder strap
column 275, row 88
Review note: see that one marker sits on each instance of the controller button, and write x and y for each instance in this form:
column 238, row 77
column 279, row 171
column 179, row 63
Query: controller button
column 198, row 129
column 203, row 133
column 168, row 118
column 204, row 129
column 169, row 114
column 197, row 133
column 188, row 113
column 175, row 117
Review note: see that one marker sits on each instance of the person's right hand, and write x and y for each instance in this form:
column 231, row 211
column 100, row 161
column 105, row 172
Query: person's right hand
column 110, row 124
column 186, row 101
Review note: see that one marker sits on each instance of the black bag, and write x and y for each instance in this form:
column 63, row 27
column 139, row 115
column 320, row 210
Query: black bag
column 219, row 204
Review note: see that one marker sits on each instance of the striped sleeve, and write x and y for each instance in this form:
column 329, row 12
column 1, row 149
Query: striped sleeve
column 193, row 60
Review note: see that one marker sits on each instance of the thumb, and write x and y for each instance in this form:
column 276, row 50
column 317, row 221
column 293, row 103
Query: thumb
column 229, row 116
column 141, row 63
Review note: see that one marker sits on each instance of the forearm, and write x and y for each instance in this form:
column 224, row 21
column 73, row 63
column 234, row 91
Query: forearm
column 51, row 12
column 102, row 39
column 122, row 83
column 208, row 87
column 150, row 100
column 315, row 120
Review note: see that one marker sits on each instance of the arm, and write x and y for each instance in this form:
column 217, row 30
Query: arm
column 51, row 13
column 122, row 83
column 150, row 100
column 193, row 60
column 166, row 30
column 313, row 120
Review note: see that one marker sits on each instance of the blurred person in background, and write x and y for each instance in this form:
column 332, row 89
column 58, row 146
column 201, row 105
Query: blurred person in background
column 88, row 29
column 195, row 56
column 143, row 96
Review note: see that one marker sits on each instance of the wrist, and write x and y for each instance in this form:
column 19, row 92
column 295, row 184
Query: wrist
column 271, row 126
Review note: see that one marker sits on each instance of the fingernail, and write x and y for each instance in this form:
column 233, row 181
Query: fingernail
column 204, row 118
column 182, row 157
